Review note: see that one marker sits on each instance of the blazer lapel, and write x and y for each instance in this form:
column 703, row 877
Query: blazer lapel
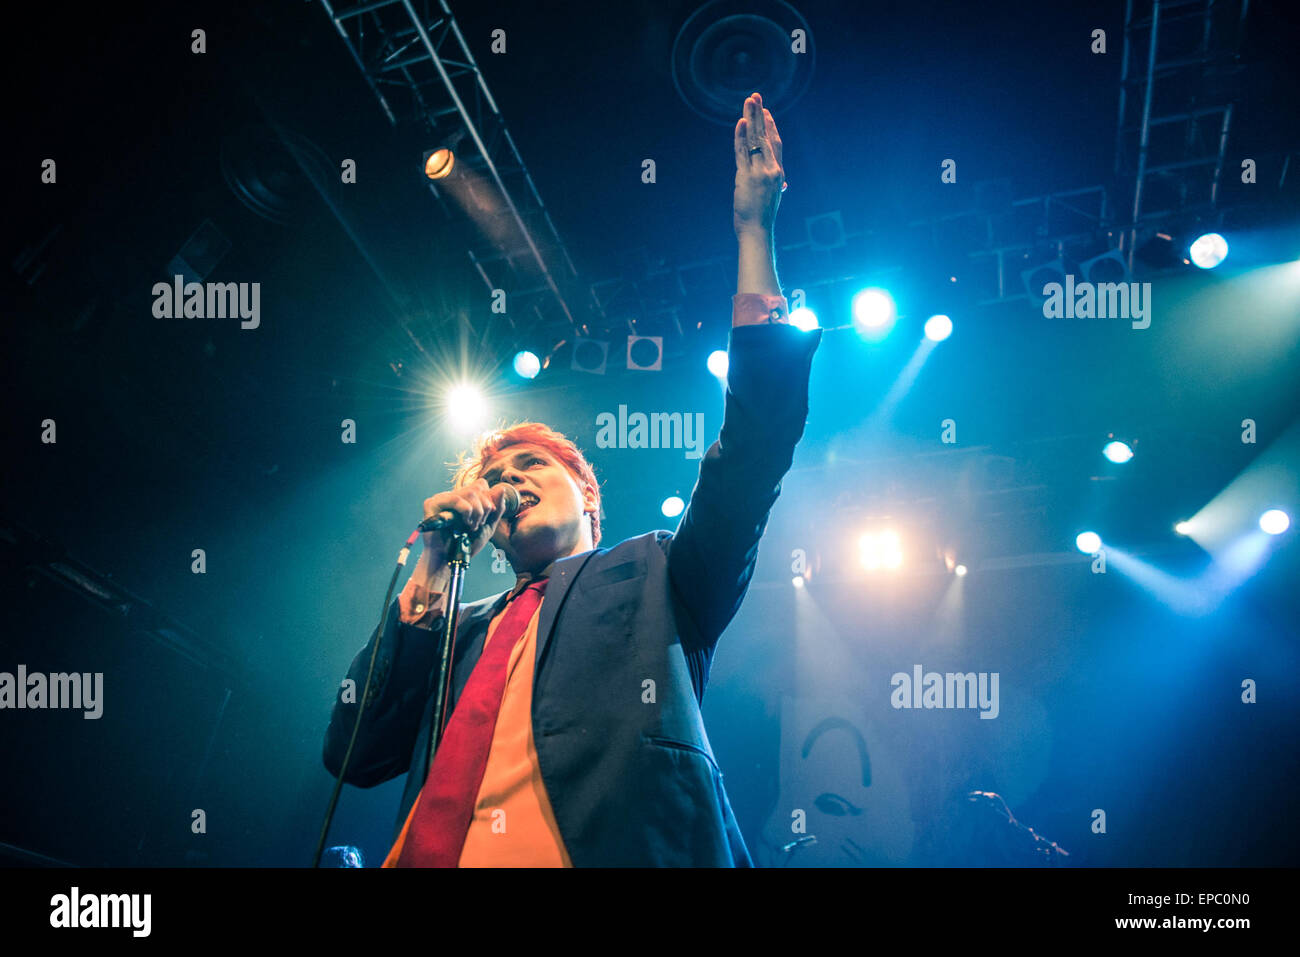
column 562, row 574
column 471, row 633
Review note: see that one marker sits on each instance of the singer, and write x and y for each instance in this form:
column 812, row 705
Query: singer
column 575, row 737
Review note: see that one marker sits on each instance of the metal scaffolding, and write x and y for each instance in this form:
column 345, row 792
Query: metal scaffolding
column 1170, row 147
column 419, row 67
column 1175, row 111
column 1175, row 114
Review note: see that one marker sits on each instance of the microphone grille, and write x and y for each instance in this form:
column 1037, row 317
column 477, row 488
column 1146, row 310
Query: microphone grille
column 511, row 499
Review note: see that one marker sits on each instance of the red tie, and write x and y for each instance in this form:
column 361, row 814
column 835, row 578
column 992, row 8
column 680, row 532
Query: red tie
column 445, row 809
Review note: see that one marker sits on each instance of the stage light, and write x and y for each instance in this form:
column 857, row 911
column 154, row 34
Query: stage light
column 438, row 163
column 1117, row 452
column 1088, row 542
column 466, row 408
column 797, row 581
column 1209, row 250
column 1183, row 528
column 527, row 365
column 874, row 310
column 1275, row 521
column 673, row 506
column 938, row 328
column 718, row 363
column 804, row 318
column 960, row 571
column 880, row 550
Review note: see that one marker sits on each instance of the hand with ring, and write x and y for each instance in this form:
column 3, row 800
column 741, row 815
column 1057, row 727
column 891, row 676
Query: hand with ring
column 760, row 175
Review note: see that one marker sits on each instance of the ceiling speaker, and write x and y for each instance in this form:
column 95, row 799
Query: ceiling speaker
column 727, row 50
column 280, row 175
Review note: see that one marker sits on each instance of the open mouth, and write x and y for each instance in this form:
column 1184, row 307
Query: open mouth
column 526, row 501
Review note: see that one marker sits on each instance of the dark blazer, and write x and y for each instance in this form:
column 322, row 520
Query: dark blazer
column 624, row 644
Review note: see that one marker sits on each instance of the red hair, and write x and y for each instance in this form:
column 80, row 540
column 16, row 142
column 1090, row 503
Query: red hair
column 490, row 444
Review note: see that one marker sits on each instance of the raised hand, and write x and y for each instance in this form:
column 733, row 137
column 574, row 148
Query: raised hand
column 760, row 174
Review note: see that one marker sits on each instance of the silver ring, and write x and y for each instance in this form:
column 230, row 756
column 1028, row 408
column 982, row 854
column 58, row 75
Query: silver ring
column 755, row 149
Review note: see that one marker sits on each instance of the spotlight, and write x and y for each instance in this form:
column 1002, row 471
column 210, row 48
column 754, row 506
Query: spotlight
column 1117, row 452
column 673, row 506
column 874, row 310
column 880, row 550
column 960, row 571
column 527, row 365
column 797, row 581
column 1209, row 250
column 938, row 328
column 718, row 363
column 466, row 408
column 804, row 318
column 1183, row 528
column 438, row 163
column 1275, row 521
column 1088, row 542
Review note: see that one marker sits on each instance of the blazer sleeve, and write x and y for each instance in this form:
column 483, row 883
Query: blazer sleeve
column 398, row 696
column 712, row 554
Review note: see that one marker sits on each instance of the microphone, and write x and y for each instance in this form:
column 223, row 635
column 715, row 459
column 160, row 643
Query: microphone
column 502, row 492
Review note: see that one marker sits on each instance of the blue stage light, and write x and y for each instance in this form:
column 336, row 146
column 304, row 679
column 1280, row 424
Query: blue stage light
column 718, row 363
column 673, row 506
column 938, row 328
column 1209, row 250
column 1275, row 521
column 804, row 318
column 1117, row 452
column 527, row 365
column 1088, row 542
column 874, row 311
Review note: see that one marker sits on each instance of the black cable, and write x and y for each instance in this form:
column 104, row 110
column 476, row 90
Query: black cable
column 365, row 700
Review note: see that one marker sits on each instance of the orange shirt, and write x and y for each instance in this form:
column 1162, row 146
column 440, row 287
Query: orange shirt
column 513, row 823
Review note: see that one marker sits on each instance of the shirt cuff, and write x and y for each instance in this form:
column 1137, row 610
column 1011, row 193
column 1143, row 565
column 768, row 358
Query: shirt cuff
column 754, row 308
column 418, row 606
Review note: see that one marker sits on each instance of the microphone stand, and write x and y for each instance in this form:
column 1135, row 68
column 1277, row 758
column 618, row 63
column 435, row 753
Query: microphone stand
column 457, row 560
